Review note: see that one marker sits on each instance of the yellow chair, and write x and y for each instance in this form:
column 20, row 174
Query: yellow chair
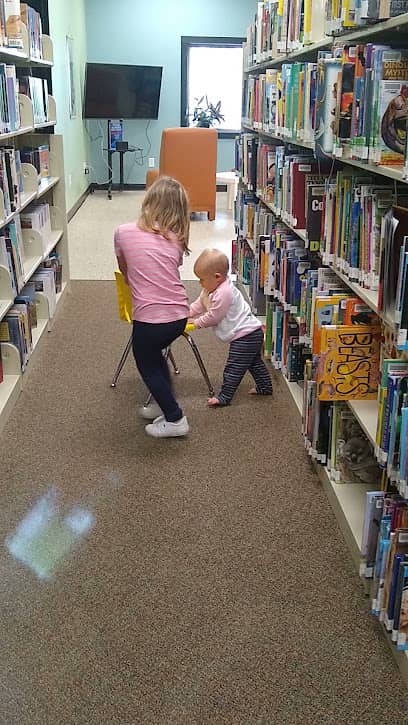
column 124, row 298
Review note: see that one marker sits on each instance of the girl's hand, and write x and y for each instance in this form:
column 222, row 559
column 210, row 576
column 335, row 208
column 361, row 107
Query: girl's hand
column 190, row 321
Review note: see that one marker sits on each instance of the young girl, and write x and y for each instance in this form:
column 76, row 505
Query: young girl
column 222, row 306
column 149, row 255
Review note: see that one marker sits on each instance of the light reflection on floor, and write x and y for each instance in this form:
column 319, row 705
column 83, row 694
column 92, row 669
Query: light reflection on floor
column 47, row 534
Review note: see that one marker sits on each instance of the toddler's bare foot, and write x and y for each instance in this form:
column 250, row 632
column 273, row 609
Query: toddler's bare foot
column 254, row 391
column 213, row 402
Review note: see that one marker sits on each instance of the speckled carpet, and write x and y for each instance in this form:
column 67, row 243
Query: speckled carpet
column 199, row 581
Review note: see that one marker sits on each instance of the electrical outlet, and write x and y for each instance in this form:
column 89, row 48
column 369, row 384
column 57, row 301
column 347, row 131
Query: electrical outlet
column 151, row 162
column 86, row 167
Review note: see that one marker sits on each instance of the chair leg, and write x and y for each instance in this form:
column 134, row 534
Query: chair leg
column 122, row 362
column 200, row 362
column 173, row 362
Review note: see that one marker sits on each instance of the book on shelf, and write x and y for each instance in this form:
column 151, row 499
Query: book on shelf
column 374, row 503
column 39, row 157
column 37, row 90
column 44, row 281
column 384, row 9
column 32, row 20
column 37, row 217
column 348, row 365
column 282, row 27
column 12, row 17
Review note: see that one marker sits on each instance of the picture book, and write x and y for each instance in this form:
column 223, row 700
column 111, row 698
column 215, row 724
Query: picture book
column 372, row 517
column 393, row 115
column 355, row 312
column 399, row 397
column 346, row 92
column 13, row 29
column 381, row 562
column 402, row 632
column 348, row 366
column 315, row 193
column 393, row 594
column 393, row 229
column 403, row 463
column 326, row 312
column 326, row 104
column 398, row 545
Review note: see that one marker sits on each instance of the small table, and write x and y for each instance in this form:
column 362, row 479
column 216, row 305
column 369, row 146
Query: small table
column 231, row 180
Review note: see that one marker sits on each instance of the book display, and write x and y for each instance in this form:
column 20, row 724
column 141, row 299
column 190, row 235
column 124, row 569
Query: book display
column 34, row 271
column 321, row 249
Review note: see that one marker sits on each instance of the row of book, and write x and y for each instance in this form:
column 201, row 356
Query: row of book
column 282, row 26
column 392, row 423
column 347, row 14
column 346, row 216
column 361, row 103
column 10, row 86
column 18, row 324
column 385, row 561
column 11, row 175
column 352, row 103
column 12, row 253
column 11, row 178
column 12, row 14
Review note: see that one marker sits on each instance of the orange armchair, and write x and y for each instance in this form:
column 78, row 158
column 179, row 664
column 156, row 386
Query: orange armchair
column 190, row 156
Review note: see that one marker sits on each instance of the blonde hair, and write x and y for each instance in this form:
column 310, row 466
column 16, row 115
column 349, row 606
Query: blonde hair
column 213, row 261
column 165, row 210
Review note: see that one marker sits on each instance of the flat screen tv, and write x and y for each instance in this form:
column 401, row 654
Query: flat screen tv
column 122, row 91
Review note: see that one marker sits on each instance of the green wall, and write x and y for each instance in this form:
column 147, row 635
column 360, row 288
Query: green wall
column 148, row 32
column 150, row 35
column 68, row 18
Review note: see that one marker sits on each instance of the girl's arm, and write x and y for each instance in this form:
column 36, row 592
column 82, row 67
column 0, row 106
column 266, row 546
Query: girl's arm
column 119, row 256
column 123, row 268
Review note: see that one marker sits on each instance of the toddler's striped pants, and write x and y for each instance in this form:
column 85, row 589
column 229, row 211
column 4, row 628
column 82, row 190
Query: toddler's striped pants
column 245, row 355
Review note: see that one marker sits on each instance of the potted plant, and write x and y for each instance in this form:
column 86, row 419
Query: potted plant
column 206, row 114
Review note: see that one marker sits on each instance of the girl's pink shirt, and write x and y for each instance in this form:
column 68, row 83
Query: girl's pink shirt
column 152, row 270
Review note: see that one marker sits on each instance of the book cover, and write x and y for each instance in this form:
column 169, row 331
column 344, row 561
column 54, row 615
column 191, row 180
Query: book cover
column 371, row 527
column 326, row 104
column 13, row 24
column 348, row 366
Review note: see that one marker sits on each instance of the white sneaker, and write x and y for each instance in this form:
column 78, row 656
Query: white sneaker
column 162, row 428
column 151, row 411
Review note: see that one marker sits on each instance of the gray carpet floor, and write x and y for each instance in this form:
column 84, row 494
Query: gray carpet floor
column 207, row 583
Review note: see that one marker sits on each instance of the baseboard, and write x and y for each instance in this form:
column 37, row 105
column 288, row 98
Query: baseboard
column 117, row 187
column 71, row 213
column 134, row 187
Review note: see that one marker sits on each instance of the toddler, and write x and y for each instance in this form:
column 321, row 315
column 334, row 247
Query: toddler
column 222, row 306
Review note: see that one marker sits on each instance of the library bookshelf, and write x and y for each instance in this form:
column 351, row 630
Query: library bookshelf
column 347, row 500
column 36, row 246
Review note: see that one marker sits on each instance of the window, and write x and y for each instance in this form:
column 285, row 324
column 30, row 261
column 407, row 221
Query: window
column 212, row 67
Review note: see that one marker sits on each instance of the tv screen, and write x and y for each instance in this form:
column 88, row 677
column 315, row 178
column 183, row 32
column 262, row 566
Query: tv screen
column 122, row 91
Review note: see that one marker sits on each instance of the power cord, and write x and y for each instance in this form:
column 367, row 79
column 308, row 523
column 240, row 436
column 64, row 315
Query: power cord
column 140, row 157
